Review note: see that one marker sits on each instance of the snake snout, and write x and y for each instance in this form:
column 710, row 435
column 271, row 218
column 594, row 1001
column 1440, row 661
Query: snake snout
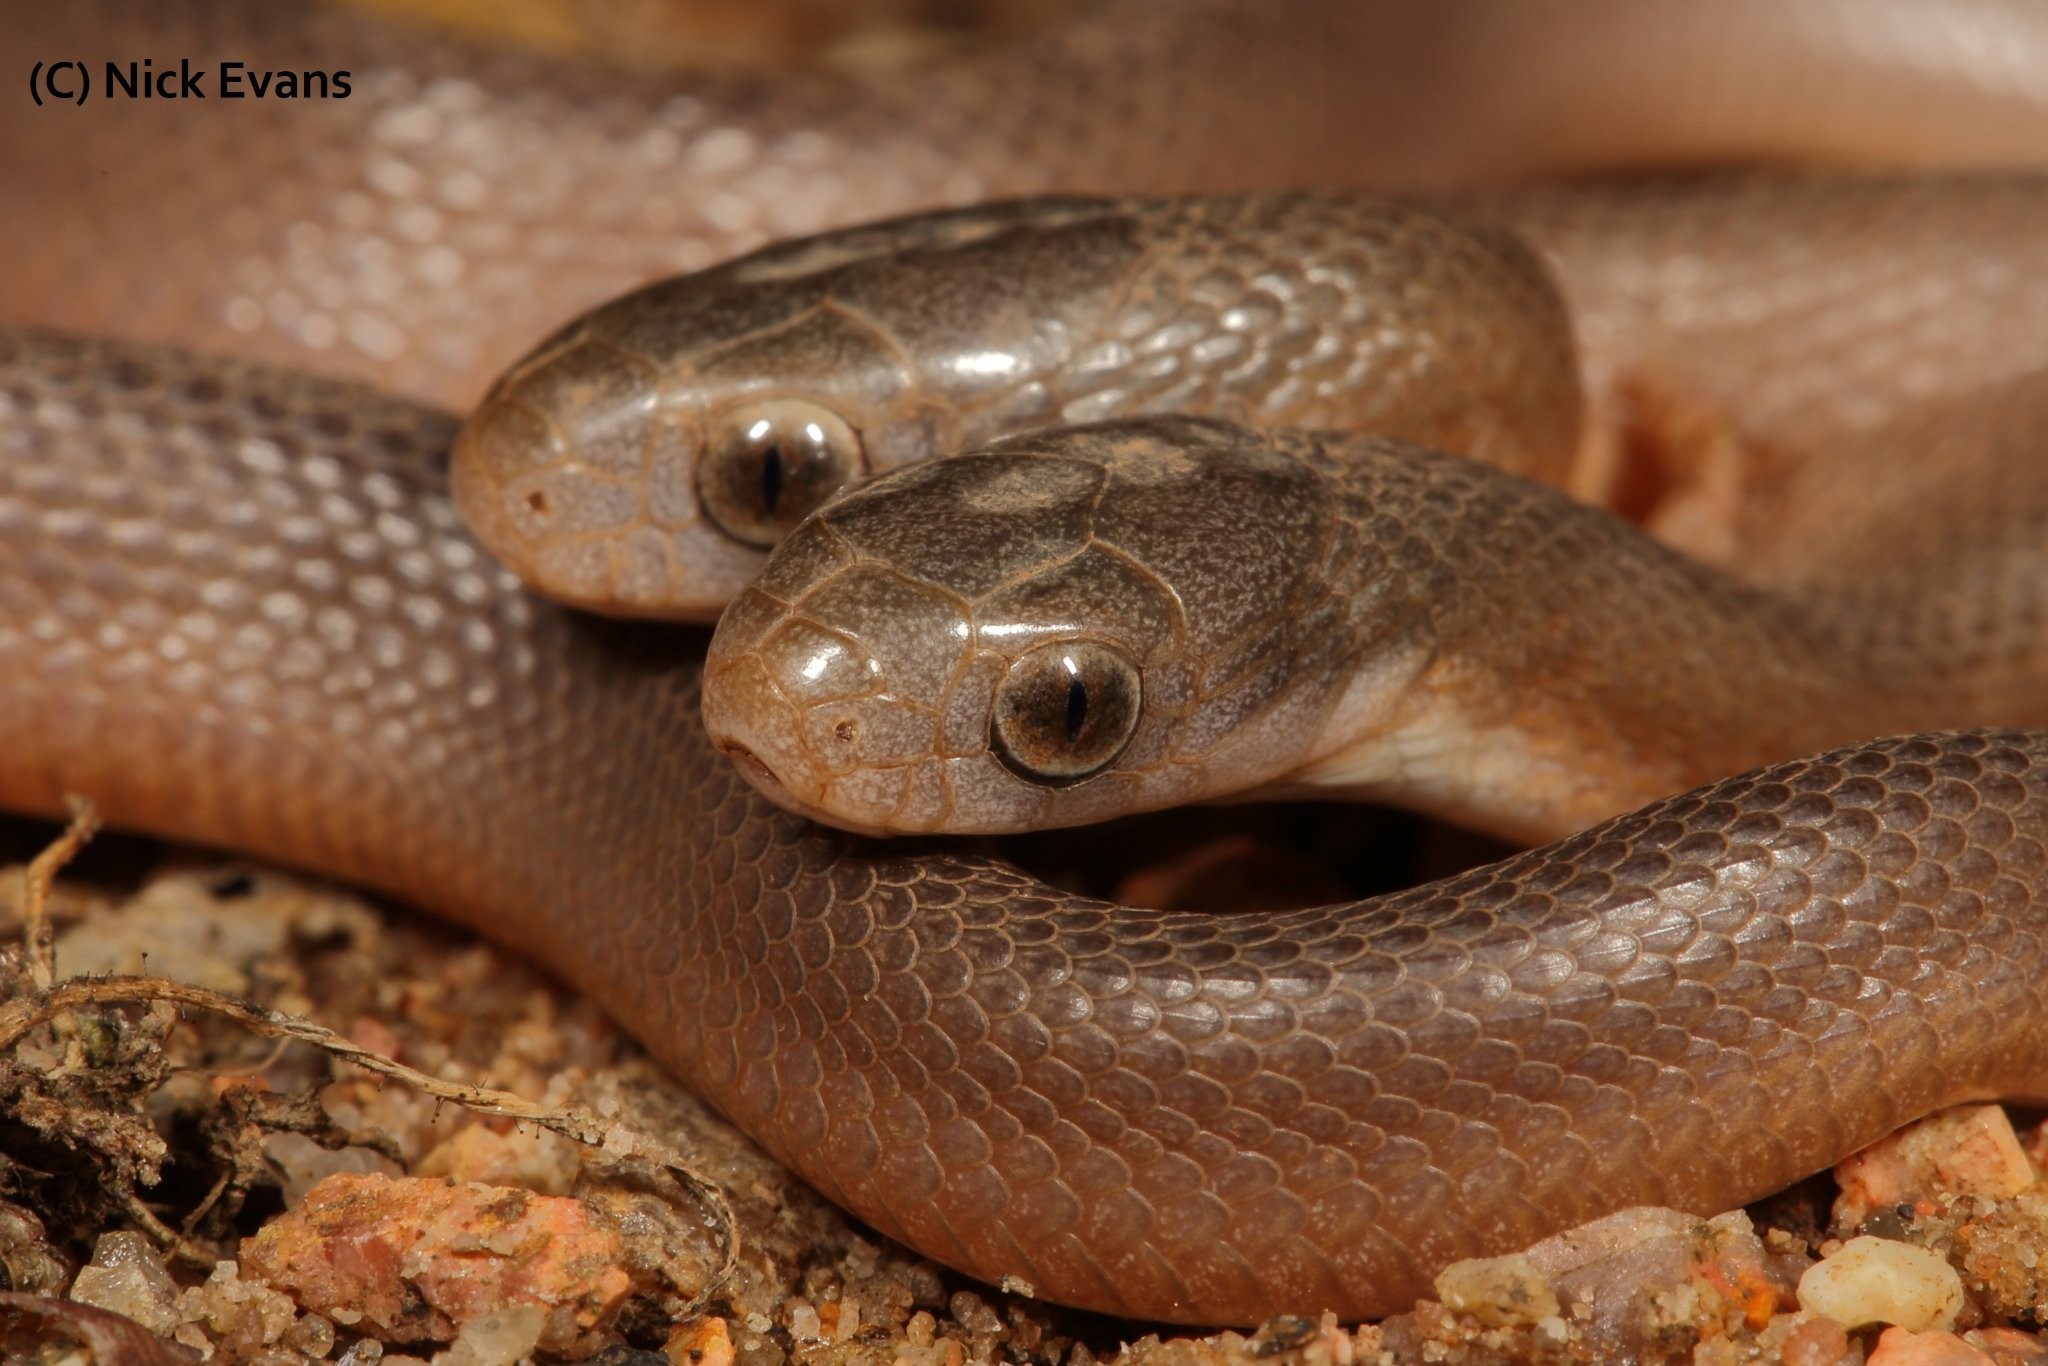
column 757, row 772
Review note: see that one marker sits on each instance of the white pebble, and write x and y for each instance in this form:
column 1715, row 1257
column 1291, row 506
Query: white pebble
column 1876, row 1280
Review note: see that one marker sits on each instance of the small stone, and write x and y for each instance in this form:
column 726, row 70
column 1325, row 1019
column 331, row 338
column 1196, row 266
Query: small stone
column 529, row 1158
column 1898, row 1347
column 1634, row 1275
column 1500, row 1292
column 238, row 1314
column 1806, row 1340
column 498, row 1338
column 180, row 927
column 312, row 1335
column 127, row 1277
column 1967, row 1150
column 419, row 1259
column 702, row 1342
column 303, row 1164
column 2009, row 1346
column 1875, row 1280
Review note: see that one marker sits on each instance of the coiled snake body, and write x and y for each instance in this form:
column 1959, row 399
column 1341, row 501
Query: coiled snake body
column 258, row 583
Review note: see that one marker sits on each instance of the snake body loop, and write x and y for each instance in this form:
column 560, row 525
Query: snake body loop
column 257, row 582
column 463, row 200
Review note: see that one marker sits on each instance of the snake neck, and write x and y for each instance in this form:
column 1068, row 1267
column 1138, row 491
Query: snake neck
column 1556, row 666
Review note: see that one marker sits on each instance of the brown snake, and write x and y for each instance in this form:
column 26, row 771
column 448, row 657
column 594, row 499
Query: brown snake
column 1780, row 338
column 1082, row 622
column 258, row 583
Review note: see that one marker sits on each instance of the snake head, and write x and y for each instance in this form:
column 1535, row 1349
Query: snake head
column 642, row 460
column 1057, row 629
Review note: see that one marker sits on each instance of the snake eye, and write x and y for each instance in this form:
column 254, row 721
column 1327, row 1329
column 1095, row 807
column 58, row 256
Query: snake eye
column 768, row 465
column 1064, row 711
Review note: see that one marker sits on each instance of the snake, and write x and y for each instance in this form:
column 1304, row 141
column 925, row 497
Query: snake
column 238, row 607
column 257, row 581
column 641, row 459
column 1085, row 621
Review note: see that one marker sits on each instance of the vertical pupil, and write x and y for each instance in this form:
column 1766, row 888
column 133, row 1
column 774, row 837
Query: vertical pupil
column 771, row 477
column 1077, row 708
